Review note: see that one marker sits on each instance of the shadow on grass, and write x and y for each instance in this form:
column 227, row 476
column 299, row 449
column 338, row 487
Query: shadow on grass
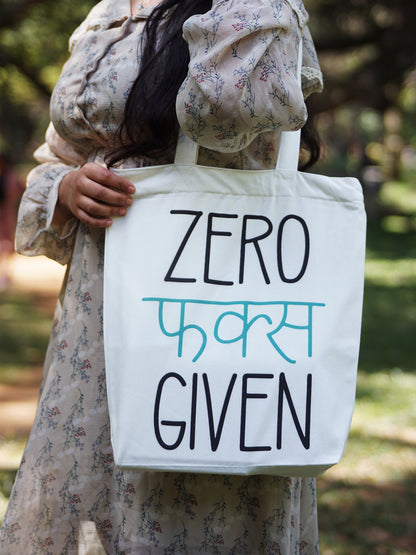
column 389, row 314
column 388, row 245
column 363, row 518
column 388, row 328
column 387, row 444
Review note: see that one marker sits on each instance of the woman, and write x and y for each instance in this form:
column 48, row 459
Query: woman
column 239, row 93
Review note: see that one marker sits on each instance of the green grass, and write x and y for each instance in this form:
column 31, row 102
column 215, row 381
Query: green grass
column 6, row 483
column 401, row 196
column 367, row 503
column 25, row 325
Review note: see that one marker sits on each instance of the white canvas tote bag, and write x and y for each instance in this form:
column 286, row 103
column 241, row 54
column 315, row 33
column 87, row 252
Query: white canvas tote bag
column 232, row 315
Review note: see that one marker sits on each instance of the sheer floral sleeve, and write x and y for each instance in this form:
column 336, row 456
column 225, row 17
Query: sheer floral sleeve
column 35, row 234
column 242, row 72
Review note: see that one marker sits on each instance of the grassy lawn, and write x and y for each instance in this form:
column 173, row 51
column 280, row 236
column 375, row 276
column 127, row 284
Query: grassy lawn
column 367, row 503
column 25, row 325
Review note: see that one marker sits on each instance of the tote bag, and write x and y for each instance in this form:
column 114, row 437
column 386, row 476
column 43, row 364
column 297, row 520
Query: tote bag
column 232, row 314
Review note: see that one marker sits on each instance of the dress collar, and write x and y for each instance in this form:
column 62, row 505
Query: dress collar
column 117, row 11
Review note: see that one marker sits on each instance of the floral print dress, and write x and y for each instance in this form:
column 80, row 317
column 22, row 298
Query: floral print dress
column 69, row 497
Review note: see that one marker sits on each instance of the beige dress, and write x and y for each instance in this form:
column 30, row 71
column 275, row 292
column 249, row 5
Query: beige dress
column 69, row 497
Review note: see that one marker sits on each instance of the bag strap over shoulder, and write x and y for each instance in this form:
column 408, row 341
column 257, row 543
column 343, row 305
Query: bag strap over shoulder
column 186, row 150
column 289, row 146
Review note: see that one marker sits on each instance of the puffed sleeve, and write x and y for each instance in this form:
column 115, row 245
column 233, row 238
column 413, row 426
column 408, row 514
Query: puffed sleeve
column 242, row 72
column 34, row 233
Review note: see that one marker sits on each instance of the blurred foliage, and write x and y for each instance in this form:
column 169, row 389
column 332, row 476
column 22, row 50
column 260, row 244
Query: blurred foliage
column 369, row 48
column 368, row 108
column 33, row 46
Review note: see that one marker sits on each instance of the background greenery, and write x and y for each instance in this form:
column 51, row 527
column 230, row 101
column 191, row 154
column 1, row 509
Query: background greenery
column 367, row 117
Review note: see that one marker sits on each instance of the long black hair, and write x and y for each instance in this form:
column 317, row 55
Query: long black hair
column 150, row 126
column 310, row 140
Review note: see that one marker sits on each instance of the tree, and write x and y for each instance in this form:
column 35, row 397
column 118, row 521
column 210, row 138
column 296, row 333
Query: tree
column 33, row 45
column 367, row 48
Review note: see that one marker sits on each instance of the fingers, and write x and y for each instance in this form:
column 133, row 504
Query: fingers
column 107, row 178
column 99, row 209
column 95, row 195
column 102, row 195
column 86, row 218
column 105, row 186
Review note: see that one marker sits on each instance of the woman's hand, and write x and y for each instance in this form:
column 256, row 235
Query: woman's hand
column 94, row 195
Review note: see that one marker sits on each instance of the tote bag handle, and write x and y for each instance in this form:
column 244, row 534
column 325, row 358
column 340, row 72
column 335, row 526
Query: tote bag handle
column 289, row 145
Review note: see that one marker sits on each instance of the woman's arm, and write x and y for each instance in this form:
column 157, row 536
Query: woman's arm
column 62, row 191
column 94, row 195
column 242, row 73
